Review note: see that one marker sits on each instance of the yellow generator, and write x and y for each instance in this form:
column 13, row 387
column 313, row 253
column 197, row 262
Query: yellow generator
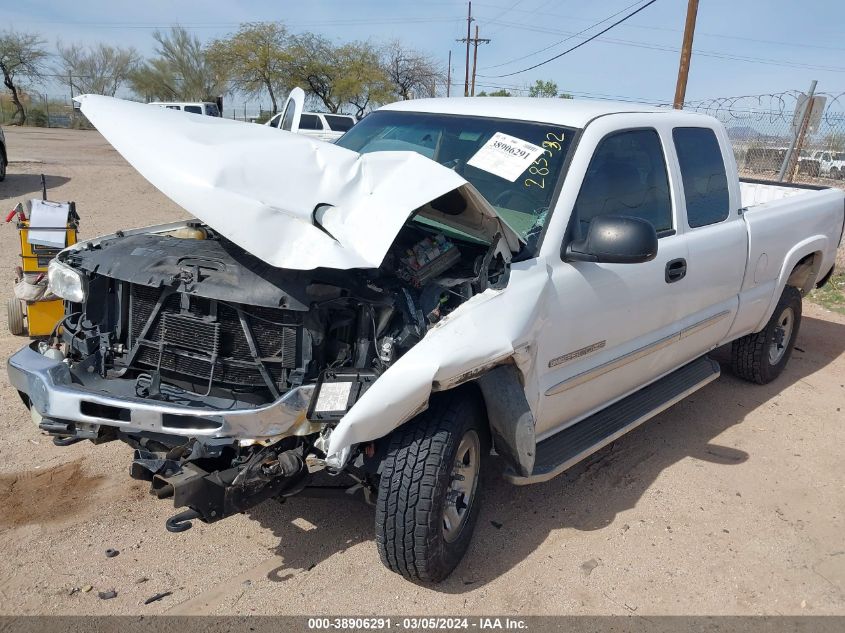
column 33, row 310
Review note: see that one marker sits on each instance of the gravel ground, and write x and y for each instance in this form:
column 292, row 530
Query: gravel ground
column 731, row 502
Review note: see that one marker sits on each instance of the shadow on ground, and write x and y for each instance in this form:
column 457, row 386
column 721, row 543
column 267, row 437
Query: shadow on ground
column 27, row 186
column 587, row 497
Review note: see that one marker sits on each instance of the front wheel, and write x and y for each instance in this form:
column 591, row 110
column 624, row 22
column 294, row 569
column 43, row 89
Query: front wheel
column 761, row 357
column 428, row 498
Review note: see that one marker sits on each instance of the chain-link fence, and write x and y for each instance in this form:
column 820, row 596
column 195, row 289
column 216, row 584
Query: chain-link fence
column 763, row 127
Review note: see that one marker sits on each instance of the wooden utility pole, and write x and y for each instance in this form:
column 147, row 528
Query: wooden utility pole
column 475, row 41
column 466, row 76
column 449, row 76
column 686, row 55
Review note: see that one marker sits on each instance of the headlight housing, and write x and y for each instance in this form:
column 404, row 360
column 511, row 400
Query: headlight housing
column 63, row 281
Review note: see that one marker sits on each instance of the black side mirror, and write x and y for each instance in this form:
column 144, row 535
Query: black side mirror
column 615, row 239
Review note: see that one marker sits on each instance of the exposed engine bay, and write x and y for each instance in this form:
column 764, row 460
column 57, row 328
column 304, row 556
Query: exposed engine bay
column 188, row 318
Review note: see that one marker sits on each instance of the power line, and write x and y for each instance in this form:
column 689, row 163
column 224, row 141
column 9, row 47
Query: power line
column 589, row 39
column 592, row 26
column 698, row 52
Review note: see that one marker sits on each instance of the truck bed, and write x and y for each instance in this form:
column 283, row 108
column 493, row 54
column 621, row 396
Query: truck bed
column 755, row 192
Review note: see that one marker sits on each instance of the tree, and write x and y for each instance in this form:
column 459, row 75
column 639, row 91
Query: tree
column 338, row 75
column 22, row 58
column 181, row 72
column 411, row 74
column 363, row 82
column 501, row 92
column 100, row 69
column 257, row 58
column 543, row 89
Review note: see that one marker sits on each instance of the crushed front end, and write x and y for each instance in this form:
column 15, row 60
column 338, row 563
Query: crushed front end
column 227, row 375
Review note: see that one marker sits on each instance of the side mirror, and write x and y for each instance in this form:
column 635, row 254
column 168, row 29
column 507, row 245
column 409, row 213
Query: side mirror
column 615, row 239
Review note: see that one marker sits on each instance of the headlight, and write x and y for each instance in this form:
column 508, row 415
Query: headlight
column 63, row 281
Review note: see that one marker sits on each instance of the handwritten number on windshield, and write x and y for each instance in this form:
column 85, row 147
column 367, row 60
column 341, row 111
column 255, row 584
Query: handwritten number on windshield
column 551, row 145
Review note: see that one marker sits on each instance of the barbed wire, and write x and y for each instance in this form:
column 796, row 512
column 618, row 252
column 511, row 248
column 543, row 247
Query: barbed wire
column 771, row 108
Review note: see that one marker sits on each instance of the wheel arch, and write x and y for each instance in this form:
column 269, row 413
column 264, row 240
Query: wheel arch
column 801, row 268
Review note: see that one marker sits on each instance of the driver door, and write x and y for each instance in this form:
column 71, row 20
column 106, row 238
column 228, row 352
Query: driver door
column 610, row 327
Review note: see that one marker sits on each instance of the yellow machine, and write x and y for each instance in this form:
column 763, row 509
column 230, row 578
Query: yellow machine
column 29, row 313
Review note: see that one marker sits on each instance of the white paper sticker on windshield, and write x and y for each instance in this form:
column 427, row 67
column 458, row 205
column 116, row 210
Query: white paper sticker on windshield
column 505, row 156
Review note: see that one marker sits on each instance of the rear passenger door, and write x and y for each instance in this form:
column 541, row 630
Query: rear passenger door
column 716, row 238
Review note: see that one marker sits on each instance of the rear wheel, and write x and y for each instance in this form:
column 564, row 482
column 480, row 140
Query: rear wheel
column 14, row 312
column 428, row 499
column 761, row 357
column 834, row 173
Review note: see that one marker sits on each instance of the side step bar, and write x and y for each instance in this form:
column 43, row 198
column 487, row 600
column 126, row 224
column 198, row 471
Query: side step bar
column 568, row 447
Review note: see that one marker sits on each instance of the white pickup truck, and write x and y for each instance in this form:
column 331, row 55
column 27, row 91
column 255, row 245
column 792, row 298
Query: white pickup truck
column 536, row 276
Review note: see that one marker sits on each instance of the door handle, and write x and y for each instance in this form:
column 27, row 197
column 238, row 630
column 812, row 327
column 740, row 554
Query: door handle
column 676, row 270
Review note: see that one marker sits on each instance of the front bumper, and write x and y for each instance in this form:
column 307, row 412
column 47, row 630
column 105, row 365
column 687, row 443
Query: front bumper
column 53, row 393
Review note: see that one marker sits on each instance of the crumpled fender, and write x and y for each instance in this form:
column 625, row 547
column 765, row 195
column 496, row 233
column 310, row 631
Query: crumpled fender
column 492, row 328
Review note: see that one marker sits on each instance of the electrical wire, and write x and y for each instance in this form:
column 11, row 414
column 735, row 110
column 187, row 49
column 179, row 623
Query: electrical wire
column 579, row 45
column 581, row 32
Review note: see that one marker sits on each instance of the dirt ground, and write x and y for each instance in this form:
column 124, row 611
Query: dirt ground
column 731, row 502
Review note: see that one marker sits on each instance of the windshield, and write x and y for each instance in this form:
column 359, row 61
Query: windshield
column 522, row 190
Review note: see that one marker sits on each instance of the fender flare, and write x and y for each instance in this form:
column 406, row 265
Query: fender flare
column 816, row 245
column 512, row 423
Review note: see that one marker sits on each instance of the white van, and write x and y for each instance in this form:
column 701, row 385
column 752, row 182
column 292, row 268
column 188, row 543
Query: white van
column 326, row 127
column 208, row 108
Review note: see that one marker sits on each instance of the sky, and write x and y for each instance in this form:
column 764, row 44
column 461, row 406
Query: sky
column 741, row 47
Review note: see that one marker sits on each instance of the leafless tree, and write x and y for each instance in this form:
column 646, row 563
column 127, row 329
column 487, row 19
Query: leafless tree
column 22, row 58
column 100, row 69
column 411, row 73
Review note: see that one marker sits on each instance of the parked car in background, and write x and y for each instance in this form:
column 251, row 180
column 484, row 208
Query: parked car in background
column 831, row 164
column 4, row 157
column 326, row 127
column 194, row 107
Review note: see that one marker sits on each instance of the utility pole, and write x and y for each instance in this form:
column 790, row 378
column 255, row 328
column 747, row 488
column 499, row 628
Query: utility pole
column 449, row 76
column 469, row 89
column 686, row 55
column 466, row 76
column 475, row 43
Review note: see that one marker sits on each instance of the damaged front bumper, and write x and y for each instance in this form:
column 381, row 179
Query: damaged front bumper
column 64, row 402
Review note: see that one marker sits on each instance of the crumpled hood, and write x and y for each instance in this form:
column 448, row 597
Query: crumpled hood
column 292, row 201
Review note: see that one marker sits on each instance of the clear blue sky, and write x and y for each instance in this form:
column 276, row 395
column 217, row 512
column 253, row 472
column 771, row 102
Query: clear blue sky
column 741, row 47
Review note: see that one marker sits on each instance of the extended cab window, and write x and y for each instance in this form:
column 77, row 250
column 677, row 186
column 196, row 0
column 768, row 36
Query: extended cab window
column 193, row 109
column 310, row 122
column 703, row 174
column 627, row 176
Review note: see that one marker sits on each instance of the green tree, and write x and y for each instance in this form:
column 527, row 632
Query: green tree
column 543, row 89
column 501, row 92
column 22, row 59
column 100, row 69
column 181, row 71
column 257, row 58
column 339, row 75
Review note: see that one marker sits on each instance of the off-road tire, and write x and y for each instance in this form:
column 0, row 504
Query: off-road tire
column 415, row 482
column 750, row 354
column 14, row 312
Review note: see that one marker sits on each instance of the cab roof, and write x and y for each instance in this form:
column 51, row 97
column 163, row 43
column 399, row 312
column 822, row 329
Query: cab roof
column 568, row 112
